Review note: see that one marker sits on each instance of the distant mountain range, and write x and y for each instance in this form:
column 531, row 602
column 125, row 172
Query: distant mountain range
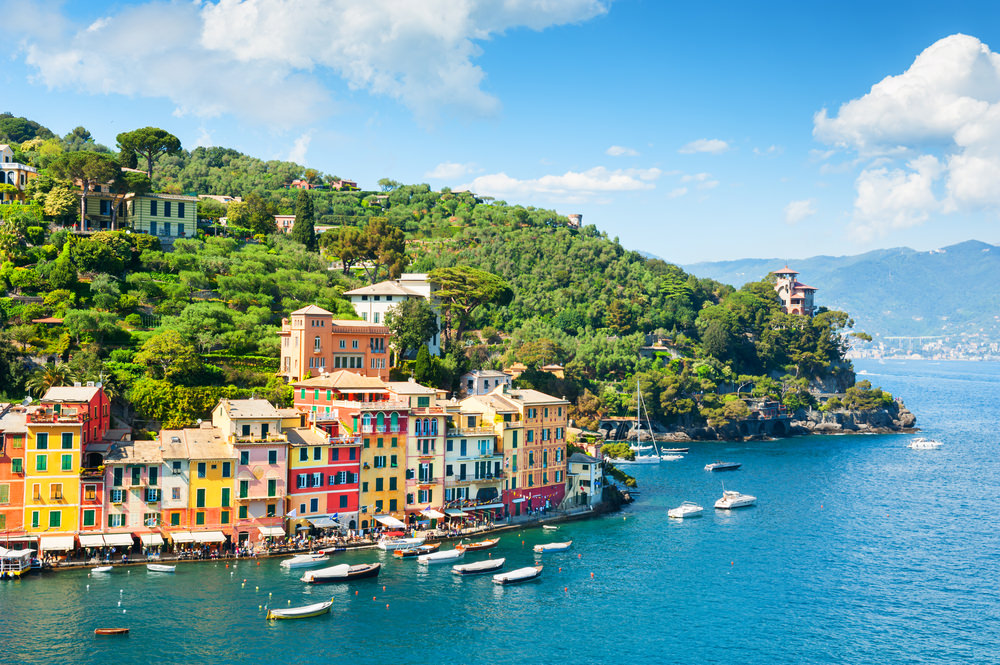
column 894, row 292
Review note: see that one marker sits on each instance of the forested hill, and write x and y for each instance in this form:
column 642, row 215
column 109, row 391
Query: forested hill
column 171, row 331
column 896, row 291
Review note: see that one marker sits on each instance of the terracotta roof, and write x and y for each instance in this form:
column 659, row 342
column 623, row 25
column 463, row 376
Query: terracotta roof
column 250, row 408
column 207, row 443
column 804, row 287
column 70, row 393
column 312, row 309
column 486, row 373
column 410, row 388
column 306, row 436
column 493, row 401
column 14, row 422
column 535, row 397
column 342, row 380
column 389, row 288
column 135, row 452
column 362, row 326
column 785, row 271
column 47, row 319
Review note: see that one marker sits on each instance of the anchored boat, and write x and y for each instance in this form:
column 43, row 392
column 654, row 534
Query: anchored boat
column 479, row 567
column 300, row 612
column 519, row 575
column 342, row 573
column 553, row 547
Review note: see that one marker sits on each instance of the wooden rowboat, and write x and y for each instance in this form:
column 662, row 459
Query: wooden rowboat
column 160, row 568
column 111, row 631
column 416, row 551
column 303, row 612
column 480, row 545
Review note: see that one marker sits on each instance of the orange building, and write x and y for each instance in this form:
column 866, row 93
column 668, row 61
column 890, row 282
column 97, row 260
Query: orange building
column 313, row 342
column 13, row 431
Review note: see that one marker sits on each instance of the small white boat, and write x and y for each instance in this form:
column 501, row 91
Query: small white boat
column 639, row 459
column 303, row 612
column 102, row 569
column 479, row 567
column 640, row 449
column 674, row 450
column 442, row 557
column 519, row 575
column 549, row 527
column 671, row 458
column 303, row 561
column 553, row 547
column 723, row 466
column 686, row 509
column 920, row 443
column 733, row 499
column 393, row 544
column 342, row 573
column 160, row 568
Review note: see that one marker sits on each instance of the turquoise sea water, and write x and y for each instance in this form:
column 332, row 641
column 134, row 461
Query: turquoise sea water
column 859, row 551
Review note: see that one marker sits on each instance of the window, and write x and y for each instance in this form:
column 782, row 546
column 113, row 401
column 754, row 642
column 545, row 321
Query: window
column 55, row 492
column 200, row 498
column 89, row 517
column 4, row 493
column 317, row 345
column 67, row 463
column 392, row 482
column 90, row 492
column 154, row 475
column 136, row 472
column 301, row 480
column 226, row 497
column 55, row 519
column 41, row 463
column 199, row 518
column 175, row 519
column 379, row 462
column 166, row 208
column 175, row 493
column 152, row 209
column 317, row 453
column 313, row 505
column 529, row 436
column 176, row 467
column 34, row 519
column 244, row 457
column 227, row 469
column 354, row 342
column 392, row 461
column 272, row 457
column 16, row 465
column 352, row 453
column 303, row 454
column 343, row 501
column 364, row 487
column 271, row 510
column 378, row 485
column 224, row 517
column 180, row 210
column 201, row 469
column 343, row 343
column 116, row 521
column 117, row 496
column 531, row 480
column 42, row 441
column 150, row 519
column 272, row 487
column 67, row 440
column 244, row 489
column 317, row 479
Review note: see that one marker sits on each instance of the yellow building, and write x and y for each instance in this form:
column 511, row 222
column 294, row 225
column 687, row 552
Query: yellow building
column 426, row 432
column 52, row 476
column 211, row 483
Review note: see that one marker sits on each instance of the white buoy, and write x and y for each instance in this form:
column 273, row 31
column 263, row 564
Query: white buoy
column 119, row 603
column 124, row 611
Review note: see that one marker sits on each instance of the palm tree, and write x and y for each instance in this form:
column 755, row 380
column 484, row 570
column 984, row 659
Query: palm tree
column 53, row 374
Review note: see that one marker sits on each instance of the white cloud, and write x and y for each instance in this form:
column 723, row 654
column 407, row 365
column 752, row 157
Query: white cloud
column 942, row 115
column 712, row 146
column 678, row 192
column 769, row 151
column 700, row 180
column 621, row 151
column 796, row 211
column 450, row 171
column 570, row 186
column 204, row 139
column 266, row 59
column 298, row 152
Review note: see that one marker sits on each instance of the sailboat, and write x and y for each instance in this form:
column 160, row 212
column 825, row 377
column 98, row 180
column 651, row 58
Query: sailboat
column 641, row 456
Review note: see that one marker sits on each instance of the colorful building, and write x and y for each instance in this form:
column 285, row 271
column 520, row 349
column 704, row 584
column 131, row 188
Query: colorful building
column 14, row 173
column 211, row 477
column 372, row 302
column 168, row 216
column 313, row 342
column 425, row 446
column 318, row 485
column 133, row 476
column 254, row 428
column 176, row 477
column 13, row 432
column 584, row 481
column 796, row 297
column 474, row 463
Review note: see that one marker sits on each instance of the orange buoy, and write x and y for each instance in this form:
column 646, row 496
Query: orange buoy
column 565, row 588
column 387, row 606
column 373, row 597
column 383, row 588
column 355, row 593
column 591, row 576
column 227, row 565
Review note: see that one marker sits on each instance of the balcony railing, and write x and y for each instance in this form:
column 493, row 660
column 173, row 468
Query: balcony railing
column 471, row 431
column 385, row 429
column 42, row 417
column 92, row 472
column 270, row 438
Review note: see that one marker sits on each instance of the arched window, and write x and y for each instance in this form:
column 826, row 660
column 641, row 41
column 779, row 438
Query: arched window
column 418, row 427
column 394, row 421
column 434, row 426
column 366, row 421
column 380, row 421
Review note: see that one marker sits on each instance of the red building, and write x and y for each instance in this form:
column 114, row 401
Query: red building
column 13, row 430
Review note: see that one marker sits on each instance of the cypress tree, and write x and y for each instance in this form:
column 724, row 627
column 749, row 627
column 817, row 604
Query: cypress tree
column 422, row 369
column 304, row 229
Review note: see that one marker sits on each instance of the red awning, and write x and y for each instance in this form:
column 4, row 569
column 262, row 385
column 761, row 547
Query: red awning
column 394, row 533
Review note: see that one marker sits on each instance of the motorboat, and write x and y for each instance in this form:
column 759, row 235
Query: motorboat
column 342, row 573
column 553, row 547
column 160, row 568
column 304, row 560
column 519, row 575
column 674, row 450
column 303, row 612
column 640, row 449
column 733, row 499
column 443, row 556
column 102, row 569
column 920, row 443
column 670, row 458
column 480, row 545
column 549, row 527
column 723, row 466
column 111, row 631
column 392, row 544
column 416, row 551
column 686, row 509
column 479, row 567
column 639, row 459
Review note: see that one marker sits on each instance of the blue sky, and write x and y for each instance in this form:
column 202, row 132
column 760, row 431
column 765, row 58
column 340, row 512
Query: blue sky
column 694, row 131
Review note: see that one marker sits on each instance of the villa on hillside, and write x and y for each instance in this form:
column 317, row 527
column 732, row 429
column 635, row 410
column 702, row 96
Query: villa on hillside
column 313, row 342
column 796, row 297
column 372, row 302
column 13, row 173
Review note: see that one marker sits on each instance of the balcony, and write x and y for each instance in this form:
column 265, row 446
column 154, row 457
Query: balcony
column 270, row 438
column 92, row 473
column 385, row 429
column 471, row 431
column 52, row 418
column 261, row 496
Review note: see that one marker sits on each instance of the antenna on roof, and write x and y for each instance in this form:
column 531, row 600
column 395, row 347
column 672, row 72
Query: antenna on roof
column 26, row 401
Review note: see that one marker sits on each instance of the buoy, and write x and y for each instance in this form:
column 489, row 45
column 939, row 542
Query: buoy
column 387, row 606
column 289, row 601
column 124, row 611
column 373, row 597
column 269, row 594
column 383, row 588
column 227, row 565
column 231, row 573
column 565, row 588
column 355, row 593
column 120, row 591
column 243, row 586
column 732, row 563
column 560, row 569
column 579, row 556
column 256, row 588
column 88, row 586
column 119, row 603
column 591, row 576
column 244, row 581
column 258, row 563
column 260, row 607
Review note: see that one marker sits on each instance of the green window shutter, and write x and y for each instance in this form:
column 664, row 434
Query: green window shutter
column 200, row 499
column 225, row 497
column 41, row 463
column 67, row 440
column 4, row 493
column 175, row 519
column 67, row 462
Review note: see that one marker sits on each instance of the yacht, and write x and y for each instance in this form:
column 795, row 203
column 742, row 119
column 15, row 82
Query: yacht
column 723, row 466
column 733, row 499
column 920, row 443
column 686, row 509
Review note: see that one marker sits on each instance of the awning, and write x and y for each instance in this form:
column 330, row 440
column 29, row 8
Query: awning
column 324, row 522
column 271, row 531
column 92, row 540
column 149, row 539
column 49, row 543
column 208, row 537
column 389, row 520
column 489, row 506
column 431, row 513
column 454, row 513
column 118, row 539
column 518, row 500
column 181, row 537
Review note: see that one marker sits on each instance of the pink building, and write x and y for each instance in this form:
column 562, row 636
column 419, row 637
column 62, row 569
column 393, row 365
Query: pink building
column 313, row 342
column 284, row 222
column 796, row 297
column 133, row 476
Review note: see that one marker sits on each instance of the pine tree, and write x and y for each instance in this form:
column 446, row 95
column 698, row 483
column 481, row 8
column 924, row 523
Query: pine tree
column 304, row 229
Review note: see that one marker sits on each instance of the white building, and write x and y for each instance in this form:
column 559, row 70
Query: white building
column 585, row 480
column 482, row 381
column 372, row 302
